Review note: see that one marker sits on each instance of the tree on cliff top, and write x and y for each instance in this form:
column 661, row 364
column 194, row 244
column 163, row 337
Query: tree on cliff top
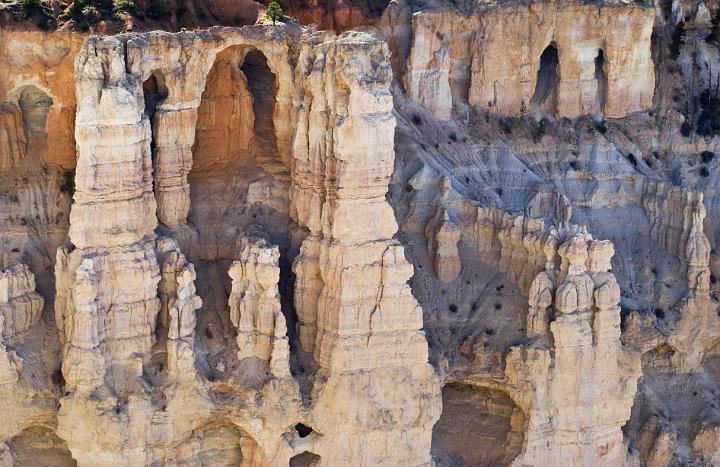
column 274, row 11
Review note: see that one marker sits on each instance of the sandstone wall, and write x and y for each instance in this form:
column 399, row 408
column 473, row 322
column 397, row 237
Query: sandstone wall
column 43, row 61
column 491, row 58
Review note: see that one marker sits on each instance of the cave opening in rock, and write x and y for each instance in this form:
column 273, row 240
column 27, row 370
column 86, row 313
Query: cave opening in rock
column 261, row 84
column 238, row 186
column 40, row 447
column 602, row 80
column 218, row 444
column 304, row 459
column 34, row 105
column 478, row 426
column 545, row 97
column 154, row 93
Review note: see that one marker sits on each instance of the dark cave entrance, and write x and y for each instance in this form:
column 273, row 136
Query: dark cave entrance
column 262, row 85
column 545, row 97
column 40, row 447
column 219, row 444
column 304, row 459
column 478, row 426
column 154, row 93
column 602, row 80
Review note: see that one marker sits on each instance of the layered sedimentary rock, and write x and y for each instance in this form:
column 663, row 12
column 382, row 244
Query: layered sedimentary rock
column 349, row 256
column 281, row 246
column 560, row 59
column 586, row 386
column 20, row 304
column 255, row 306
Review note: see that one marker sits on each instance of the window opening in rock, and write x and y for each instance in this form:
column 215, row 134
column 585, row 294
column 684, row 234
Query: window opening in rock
column 304, row 459
column 478, row 426
column 40, row 447
column 219, row 444
column 303, row 430
column 238, row 184
column 545, row 96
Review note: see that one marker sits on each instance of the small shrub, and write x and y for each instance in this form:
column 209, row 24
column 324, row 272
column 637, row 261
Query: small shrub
column 453, row 308
column 708, row 123
column 631, row 158
column 704, row 172
column 707, row 157
column 505, row 126
column 685, row 129
column 158, row 9
column 274, row 12
column 90, row 12
column 677, row 40
column 128, row 6
column 602, row 126
column 416, row 119
column 31, row 5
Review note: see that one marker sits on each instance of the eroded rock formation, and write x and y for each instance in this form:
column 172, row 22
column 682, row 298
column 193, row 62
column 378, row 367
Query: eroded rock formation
column 485, row 236
column 552, row 58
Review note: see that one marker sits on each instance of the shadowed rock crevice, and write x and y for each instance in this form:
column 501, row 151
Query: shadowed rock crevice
column 548, row 78
column 478, row 426
column 602, row 80
column 38, row 446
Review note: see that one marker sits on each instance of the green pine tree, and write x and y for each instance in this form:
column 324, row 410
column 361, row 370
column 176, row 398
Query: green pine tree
column 274, row 11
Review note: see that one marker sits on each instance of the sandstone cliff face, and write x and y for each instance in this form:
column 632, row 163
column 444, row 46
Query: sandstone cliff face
column 486, row 236
column 545, row 58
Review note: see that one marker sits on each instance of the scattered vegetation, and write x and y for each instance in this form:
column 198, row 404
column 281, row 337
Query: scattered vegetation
column 602, row 126
column 125, row 6
column 708, row 123
column 158, row 9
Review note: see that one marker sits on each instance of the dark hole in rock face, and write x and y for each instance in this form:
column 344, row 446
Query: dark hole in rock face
column 478, row 426
column 304, row 459
column 40, row 447
column 220, row 444
column 154, row 93
column 602, row 81
column 548, row 78
column 303, row 430
column 261, row 83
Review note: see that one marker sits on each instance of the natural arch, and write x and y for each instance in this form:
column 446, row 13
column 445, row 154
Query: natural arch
column 34, row 105
column 602, row 80
column 218, row 444
column 545, row 97
column 238, row 183
column 40, row 447
column 478, row 426
column 304, row 459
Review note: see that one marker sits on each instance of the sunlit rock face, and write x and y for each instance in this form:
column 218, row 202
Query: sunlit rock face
column 467, row 234
column 551, row 58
